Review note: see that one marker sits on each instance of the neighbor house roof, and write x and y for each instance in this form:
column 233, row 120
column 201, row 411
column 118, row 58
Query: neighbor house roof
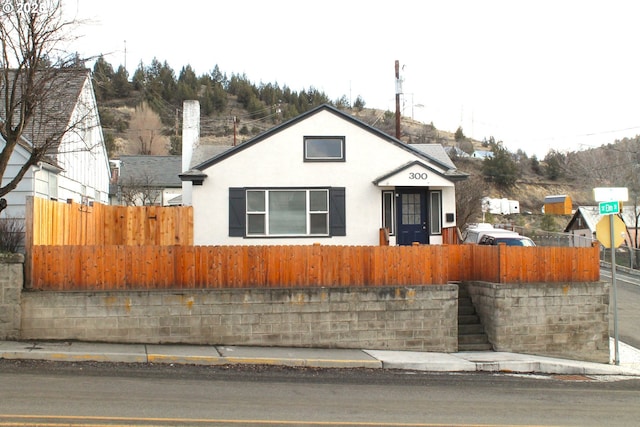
column 434, row 153
column 59, row 92
column 591, row 216
column 156, row 171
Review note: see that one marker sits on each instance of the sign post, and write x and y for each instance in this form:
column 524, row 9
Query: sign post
column 610, row 199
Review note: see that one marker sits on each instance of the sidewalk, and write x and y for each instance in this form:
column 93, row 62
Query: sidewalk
column 320, row 358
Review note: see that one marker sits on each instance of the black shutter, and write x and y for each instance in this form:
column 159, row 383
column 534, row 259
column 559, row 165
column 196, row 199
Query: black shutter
column 337, row 212
column 237, row 213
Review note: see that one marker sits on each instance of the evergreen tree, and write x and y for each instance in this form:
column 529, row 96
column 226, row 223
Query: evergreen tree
column 121, row 85
column 103, row 79
column 500, row 168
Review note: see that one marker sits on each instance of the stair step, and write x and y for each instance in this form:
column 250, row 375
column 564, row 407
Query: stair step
column 464, row 300
column 464, row 310
column 472, row 339
column 468, row 319
column 470, row 329
column 474, row 347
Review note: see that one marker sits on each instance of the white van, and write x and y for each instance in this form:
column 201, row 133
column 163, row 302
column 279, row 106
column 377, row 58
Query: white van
column 475, row 232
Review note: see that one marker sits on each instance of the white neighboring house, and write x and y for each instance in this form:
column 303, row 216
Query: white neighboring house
column 323, row 177
column 77, row 167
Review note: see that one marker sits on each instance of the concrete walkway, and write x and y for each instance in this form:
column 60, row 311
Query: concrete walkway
column 320, row 358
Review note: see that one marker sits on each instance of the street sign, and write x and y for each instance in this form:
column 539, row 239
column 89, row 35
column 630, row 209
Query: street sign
column 608, row 208
column 609, row 194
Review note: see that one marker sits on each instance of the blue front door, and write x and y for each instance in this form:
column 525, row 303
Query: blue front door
column 412, row 217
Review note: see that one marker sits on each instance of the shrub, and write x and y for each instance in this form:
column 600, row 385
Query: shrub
column 11, row 234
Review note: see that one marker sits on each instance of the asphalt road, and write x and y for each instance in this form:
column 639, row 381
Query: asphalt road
column 628, row 302
column 100, row 394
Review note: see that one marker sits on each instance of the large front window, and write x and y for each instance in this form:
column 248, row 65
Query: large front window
column 288, row 212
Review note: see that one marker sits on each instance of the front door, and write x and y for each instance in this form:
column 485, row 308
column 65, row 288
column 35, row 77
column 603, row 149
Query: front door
column 412, row 217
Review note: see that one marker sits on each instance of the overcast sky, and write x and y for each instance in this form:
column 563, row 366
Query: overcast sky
column 537, row 75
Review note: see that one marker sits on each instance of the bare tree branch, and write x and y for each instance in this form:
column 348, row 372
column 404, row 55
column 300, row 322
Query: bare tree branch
column 37, row 89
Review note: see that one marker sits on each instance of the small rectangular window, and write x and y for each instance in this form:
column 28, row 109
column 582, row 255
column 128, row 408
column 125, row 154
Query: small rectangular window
column 324, row 149
column 435, row 210
column 388, row 209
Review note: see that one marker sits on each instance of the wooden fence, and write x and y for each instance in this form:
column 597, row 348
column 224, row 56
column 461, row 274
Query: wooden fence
column 119, row 267
column 56, row 223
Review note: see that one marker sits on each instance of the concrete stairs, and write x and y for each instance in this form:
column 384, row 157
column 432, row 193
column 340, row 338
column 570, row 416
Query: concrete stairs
column 471, row 334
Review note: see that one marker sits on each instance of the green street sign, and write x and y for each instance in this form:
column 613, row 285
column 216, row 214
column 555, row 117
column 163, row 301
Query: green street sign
column 608, row 208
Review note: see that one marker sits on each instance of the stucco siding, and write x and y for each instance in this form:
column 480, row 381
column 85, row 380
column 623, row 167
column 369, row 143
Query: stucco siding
column 278, row 162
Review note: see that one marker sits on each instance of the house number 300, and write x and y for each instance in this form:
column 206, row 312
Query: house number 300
column 415, row 175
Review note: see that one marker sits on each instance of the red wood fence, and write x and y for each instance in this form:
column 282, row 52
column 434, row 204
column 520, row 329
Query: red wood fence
column 114, row 267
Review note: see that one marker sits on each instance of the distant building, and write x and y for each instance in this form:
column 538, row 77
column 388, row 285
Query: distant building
column 500, row 206
column 560, row 204
column 482, row 154
column 584, row 221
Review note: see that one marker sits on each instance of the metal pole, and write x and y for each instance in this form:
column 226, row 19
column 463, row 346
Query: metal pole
column 615, row 295
column 398, row 132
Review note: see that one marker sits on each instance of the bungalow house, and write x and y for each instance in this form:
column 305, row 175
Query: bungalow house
column 585, row 219
column 323, row 177
column 76, row 166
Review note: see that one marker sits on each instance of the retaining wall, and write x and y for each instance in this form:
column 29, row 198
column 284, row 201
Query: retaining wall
column 400, row 318
column 563, row 320
column 11, row 282
column 569, row 320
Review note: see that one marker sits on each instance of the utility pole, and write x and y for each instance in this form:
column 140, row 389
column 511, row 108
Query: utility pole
column 235, row 121
column 398, row 92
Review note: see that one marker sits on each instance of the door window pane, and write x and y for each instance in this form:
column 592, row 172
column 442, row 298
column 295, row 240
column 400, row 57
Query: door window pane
column 411, row 209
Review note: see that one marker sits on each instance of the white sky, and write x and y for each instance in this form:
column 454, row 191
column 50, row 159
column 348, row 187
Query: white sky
column 536, row 74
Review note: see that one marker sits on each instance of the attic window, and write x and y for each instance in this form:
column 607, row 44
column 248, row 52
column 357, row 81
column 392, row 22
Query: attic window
column 324, row 149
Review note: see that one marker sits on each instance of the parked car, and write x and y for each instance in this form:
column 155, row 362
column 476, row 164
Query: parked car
column 509, row 238
column 475, row 232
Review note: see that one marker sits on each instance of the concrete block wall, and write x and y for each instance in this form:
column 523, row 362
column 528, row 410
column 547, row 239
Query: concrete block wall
column 567, row 320
column 11, row 280
column 421, row 318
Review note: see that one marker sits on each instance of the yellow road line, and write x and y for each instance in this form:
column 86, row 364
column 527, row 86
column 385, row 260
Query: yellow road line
column 60, row 422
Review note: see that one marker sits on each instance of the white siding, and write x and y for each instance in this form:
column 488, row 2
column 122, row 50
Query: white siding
column 83, row 154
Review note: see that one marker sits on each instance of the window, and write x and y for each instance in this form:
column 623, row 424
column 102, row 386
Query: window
column 388, row 210
column 327, row 149
column 435, row 210
column 287, row 212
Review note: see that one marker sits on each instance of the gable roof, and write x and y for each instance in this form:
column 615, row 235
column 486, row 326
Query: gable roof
column 156, row 171
column 60, row 91
column 557, row 198
column 451, row 174
column 591, row 216
column 428, row 152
